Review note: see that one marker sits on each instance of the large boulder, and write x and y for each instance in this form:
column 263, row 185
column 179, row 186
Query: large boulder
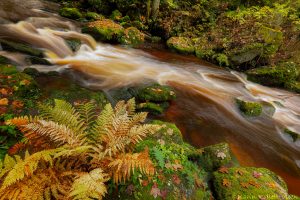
column 156, row 93
column 245, row 183
column 104, row 30
column 277, row 75
column 20, row 47
column 71, row 13
column 132, row 37
column 182, row 45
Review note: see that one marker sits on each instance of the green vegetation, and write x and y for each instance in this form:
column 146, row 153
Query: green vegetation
column 251, row 109
column 181, row 44
column 295, row 136
column 132, row 37
column 72, row 13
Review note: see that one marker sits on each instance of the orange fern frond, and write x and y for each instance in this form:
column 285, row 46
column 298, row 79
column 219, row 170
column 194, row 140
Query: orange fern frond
column 125, row 164
column 18, row 121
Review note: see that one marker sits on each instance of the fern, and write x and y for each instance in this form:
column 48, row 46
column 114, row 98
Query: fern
column 87, row 113
column 90, row 185
column 125, row 164
column 159, row 156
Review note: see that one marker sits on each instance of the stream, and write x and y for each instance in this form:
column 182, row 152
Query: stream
column 205, row 109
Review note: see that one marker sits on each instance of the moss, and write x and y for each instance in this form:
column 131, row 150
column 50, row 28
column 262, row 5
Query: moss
column 169, row 132
column 93, row 16
column 295, row 136
column 32, row 72
column 153, row 108
column 245, row 53
column 181, row 44
column 212, row 157
column 244, row 183
column 74, row 44
column 20, row 47
column 105, row 30
column 251, row 109
column 132, row 36
column 71, row 13
column 8, row 69
column 274, row 75
column 270, row 36
column 156, row 93
column 116, row 15
column 293, row 86
column 4, row 60
column 222, row 60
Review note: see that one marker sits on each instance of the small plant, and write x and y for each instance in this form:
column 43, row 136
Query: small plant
column 72, row 152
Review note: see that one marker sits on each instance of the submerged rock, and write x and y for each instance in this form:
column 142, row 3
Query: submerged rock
column 245, row 183
column 74, row 44
column 277, row 75
column 33, row 60
column 104, row 30
column 295, row 136
column 251, row 109
column 20, row 47
column 181, row 44
column 71, row 13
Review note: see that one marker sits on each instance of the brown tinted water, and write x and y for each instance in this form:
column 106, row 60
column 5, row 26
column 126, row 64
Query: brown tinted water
column 205, row 110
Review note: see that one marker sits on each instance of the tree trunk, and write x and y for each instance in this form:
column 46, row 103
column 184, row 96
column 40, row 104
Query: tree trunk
column 155, row 8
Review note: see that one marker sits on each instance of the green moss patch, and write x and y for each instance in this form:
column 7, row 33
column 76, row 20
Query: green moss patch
column 156, row 93
column 181, row 44
column 132, row 37
column 20, row 47
column 251, row 109
column 71, row 13
column 248, row 183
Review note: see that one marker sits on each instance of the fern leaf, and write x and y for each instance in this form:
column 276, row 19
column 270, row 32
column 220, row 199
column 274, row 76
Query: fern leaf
column 136, row 133
column 90, row 185
column 131, row 106
column 27, row 166
column 62, row 113
column 60, row 134
column 6, row 165
column 125, row 165
column 87, row 113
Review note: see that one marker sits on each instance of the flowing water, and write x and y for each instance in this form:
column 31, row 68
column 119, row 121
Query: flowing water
column 205, row 110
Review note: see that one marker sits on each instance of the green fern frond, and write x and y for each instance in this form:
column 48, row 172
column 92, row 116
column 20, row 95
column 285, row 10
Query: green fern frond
column 7, row 164
column 90, row 185
column 87, row 113
column 27, row 166
column 63, row 113
column 60, row 134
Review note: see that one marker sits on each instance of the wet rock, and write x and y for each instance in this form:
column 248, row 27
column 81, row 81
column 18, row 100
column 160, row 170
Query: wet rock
column 104, row 30
column 156, row 93
column 92, row 16
column 32, row 72
column 153, row 108
column 71, row 13
column 213, row 157
column 5, row 61
column 74, row 44
column 20, row 47
column 251, row 109
column 242, row 183
column 132, row 37
column 277, row 75
column 295, row 136
column 33, row 60
column 181, row 44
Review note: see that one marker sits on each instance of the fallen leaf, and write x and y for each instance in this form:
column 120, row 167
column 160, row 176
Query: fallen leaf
column 170, row 131
column 238, row 197
column 253, row 183
column 221, row 155
column 226, row 183
column 25, row 82
column 176, row 179
column 239, row 171
column 161, row 142
column 163, row 194
column 145, row 183
column 245, row 185
column 272, row 185
column 3, row 91
column 256, row 174
column 4, row 102
column 17, row 104
column 168, row 165
column 130, row 189
column 223, row 170
column 155, row 191
column 262, row 198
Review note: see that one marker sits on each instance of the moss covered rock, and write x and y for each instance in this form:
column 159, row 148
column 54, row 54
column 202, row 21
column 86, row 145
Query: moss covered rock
column 212, row 157
column 156, row 93
column 74, row 44
column 20, row 47
column 104, row 30
column 71, row 13
column 153, row 108
column 181, row 44
column 4, row 60
column 293, row 86
column 274, row 75
column 8, row 69
column 92, row 16
column 132, row 36
column 33, row 60
column 295, row 136
column 248, row 183
column 251, row 109
column 116, row 15
column 169, row 132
